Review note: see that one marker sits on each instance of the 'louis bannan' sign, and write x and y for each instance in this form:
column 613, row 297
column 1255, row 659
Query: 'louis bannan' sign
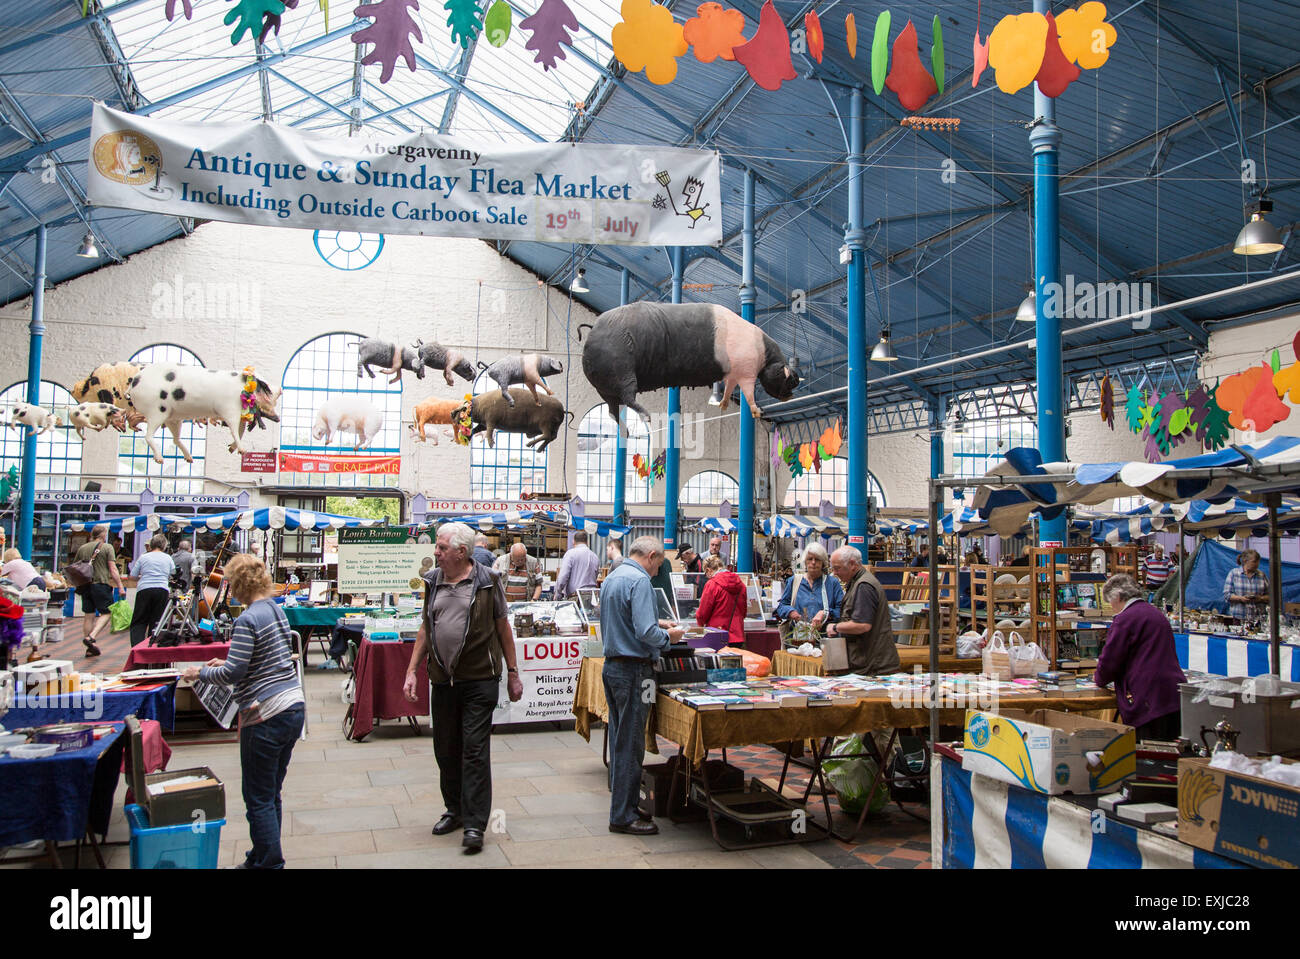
column 422, row 183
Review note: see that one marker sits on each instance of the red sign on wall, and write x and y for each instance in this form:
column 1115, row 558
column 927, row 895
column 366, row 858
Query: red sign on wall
column 298, row 463
column 257, row 462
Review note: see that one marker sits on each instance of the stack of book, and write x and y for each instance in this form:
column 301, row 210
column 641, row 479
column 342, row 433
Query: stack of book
column 1058, row 681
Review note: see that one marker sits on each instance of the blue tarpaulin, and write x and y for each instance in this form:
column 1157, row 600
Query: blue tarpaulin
column 1214, row 561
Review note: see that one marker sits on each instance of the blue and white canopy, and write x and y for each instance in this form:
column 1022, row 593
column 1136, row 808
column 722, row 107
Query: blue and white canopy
column 801, row 526
column 486, row 521
column 143, row 522
column 717, row 524
column 599, row 527
column 273, row 517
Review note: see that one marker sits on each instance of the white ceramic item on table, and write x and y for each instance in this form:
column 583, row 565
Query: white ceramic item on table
column 33, row 750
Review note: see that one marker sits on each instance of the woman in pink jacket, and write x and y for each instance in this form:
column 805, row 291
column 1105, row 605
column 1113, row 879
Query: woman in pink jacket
column 723, row 604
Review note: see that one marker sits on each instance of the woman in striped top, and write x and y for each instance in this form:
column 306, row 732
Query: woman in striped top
column 271, row 705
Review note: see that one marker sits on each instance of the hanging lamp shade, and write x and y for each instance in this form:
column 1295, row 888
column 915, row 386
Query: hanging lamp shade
column 883, row 351
column 88, row 248
column 1027, row 311
column 1258, row 236
column 578, row 286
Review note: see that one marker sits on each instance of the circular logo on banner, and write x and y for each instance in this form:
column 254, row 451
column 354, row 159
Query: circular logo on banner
column 979, row 732
column 127, row 157
column 1062, row 774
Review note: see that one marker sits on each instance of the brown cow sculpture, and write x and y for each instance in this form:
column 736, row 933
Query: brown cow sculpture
column 490, row 413
column 433, row 411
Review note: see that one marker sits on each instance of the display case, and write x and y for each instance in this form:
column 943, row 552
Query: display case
column 1057, row 611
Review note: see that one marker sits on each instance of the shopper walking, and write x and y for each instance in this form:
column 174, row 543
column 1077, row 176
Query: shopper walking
column 463, row 641
column 864, row 619
column 97, row 595
column 633, row 636
column 153, row 574
column 577, row 569
column 271, row 705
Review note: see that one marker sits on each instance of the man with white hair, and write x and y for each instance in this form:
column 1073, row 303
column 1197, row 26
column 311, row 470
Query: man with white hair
column 864, row 617
column 464, row 638
column 633, row 636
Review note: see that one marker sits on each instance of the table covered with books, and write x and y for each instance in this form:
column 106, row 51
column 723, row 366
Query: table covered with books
column 788, row 663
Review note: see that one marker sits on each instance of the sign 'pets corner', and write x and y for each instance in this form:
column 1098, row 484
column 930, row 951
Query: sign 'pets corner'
column 423, row 183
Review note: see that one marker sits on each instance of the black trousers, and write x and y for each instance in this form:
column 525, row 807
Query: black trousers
column 462, row 738
column 148, row 609
column 1164, row 728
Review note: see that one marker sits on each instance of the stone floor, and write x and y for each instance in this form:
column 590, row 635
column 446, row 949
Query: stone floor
column 371, row 804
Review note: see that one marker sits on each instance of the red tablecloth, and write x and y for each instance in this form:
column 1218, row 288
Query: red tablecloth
column 156, row 753
column 763, row 641
column 145, row 655
column 380, row 670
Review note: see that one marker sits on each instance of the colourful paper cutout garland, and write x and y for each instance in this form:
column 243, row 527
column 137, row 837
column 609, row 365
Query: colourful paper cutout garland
column 714, row 32
column 390, row 32
column 648, row 39
column 908, row 77
column 1057, row 72
column 812, row 25
column 767, row 54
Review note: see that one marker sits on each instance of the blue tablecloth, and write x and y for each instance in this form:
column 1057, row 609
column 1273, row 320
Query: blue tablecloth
column 986, row 823
column 58, row 797
column 1232, row 655
column 159, row 704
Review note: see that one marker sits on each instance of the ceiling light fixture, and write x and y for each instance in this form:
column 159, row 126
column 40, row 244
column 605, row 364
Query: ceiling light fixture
column 88, row 248
column 1027, row 312
column 1258, row 236
column 883, row 352
column 578, row 286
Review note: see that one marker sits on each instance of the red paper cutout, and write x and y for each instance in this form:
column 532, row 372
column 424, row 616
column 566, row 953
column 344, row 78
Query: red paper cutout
column 715, row 32
column 979, row 50
column 390, row 32
column 1263, row 406
column 550, row 29
column 767, row 54
column 908, row 77
column 1057, row 72
column 812, row 25
column 851, row 29
column 1234, row 391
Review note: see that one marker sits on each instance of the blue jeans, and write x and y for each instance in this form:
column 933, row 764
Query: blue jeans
column 264, row 751
column 629, row 691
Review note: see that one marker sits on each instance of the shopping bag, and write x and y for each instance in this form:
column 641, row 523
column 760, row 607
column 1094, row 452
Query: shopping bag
column 851, row 778
column 122, row 613
column 997, row 658
column 1027, row 659
column 969, row 645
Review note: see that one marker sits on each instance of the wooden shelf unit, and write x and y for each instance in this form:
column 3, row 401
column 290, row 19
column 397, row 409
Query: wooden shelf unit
column 1055, row 566
column 1001, row 600
column 915, row 588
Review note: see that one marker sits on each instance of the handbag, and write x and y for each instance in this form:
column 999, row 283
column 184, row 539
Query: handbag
column 791, row 632
column 83, row 573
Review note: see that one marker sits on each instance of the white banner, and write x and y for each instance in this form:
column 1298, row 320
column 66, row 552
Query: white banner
column 424, row 184
column 548, row 670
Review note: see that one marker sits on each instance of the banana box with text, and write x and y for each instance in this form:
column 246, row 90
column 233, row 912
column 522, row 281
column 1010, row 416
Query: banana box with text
column 1049, row 751
column 1242, row 817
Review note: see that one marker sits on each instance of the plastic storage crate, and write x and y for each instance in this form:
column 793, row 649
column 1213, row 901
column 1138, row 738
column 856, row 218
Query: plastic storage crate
column 172, row 847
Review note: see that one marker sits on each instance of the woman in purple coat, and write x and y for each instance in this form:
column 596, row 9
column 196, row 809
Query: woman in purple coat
column 1140, row 659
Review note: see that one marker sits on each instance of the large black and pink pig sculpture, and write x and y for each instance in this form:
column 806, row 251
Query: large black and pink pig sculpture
column 644, row 347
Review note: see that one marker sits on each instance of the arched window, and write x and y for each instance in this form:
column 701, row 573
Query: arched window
column 831, row 483
column 710, row 488
column 597, row 442
column 322, row 370
column 136, row 468
column 58, row 452
column 511, row 468
column 989, row 428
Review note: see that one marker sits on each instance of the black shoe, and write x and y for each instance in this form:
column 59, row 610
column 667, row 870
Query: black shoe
column 635, row 828
column 644, row 816
column 473, row 841
column 91, row 648
column 448, row 823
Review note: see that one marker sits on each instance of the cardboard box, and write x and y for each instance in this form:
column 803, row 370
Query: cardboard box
column 1265, row 724
column 1240, row 817
column 1047, row 751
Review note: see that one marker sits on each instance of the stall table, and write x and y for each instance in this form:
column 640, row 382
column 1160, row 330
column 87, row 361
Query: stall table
column 378, row 675
column 1225, row 655
column 762, row 641
column 155, row 701
column 981, row 822
column 306, row 619
column 787, row 663
column 142, row 654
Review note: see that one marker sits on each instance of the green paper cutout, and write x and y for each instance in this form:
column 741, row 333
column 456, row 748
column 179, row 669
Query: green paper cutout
column 465, row 19
column 1276, row 360
column 1179, row 422
column 497, row 23
column 880, row 52
column 1217, row 428
column 936, row 53
column 1133, row 409
column 250, row 14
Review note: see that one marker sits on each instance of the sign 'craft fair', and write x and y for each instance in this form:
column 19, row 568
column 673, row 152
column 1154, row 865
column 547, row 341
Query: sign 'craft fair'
column 425, row 184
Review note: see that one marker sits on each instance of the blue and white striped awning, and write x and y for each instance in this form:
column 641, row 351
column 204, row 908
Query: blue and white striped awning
column 598, row 527
column 717, row 524
column 801, row 526
column 273, row 517
column 150, row 522
column 1007, row 508
column 486, row 521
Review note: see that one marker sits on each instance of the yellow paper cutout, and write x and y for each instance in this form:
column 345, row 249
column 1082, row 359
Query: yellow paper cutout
column 649, row 39
column 1017, row 46
column 1287, row 380
column 1086, row 37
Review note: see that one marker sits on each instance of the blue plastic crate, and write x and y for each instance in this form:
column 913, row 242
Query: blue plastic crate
column 172, row 847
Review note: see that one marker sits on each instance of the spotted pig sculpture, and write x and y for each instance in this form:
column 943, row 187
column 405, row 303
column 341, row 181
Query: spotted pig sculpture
column 168, row 394
column 97, row 417
column 644, row 347
column 489, row 413
column 527, row 370
column 37, row 419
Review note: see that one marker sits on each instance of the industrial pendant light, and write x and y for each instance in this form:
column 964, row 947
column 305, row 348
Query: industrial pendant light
column 883, row 352
column 1027, row 312
column 1258, row 236
column 87, row 248
column 577, row 286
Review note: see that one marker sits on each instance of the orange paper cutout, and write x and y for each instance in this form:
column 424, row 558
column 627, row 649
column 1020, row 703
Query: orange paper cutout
column 1233, row 392
column 831, row 440
column 1082, row 31
column 851, row 29
column 1262, row 407
column 1057, row 72
column 714, row 32
column 812, row 25
column 908, row 77
column 1017, row 46
column 767, row 54
column 805, row 455
column 649, row 39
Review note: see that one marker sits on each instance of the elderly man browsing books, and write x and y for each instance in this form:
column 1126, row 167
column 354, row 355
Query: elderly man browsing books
column 864, row 617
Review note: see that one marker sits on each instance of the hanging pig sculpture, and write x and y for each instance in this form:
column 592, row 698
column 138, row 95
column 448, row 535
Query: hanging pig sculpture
column 644, row 347
column 526, row 370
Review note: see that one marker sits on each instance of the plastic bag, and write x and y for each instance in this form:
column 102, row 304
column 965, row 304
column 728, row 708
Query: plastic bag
column 756, row 666
column 969, row 645
column 851, row 778
column 122, row 613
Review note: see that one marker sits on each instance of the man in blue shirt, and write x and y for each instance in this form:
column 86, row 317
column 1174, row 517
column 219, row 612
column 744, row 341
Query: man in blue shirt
column 481, row 552
column 633, row 636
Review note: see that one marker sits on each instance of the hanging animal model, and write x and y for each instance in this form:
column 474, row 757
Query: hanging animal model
column 644, row 347
column 433, row 411
column 110, row 383
column 527, row 369
column 348, row 414
column 37, row 419
column 438, row 357
column 390, row 358
column 489, row 413
column 168, row 394
column 97, row 417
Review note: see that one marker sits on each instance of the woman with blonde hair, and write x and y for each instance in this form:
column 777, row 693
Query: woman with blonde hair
column 271, row 705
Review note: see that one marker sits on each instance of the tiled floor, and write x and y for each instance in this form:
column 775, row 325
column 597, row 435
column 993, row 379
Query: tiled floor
column 371, row 804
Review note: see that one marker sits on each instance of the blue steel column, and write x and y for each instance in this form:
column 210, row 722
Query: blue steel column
column 620, row 444
column 748, row 295
column 672, row 486
column 27, row 497
column 856, row 428
column 1045, row 138
column 937, row 415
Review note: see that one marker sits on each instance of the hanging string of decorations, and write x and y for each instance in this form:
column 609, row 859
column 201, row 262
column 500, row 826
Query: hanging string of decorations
column 1021, row 48
column 801, row 457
